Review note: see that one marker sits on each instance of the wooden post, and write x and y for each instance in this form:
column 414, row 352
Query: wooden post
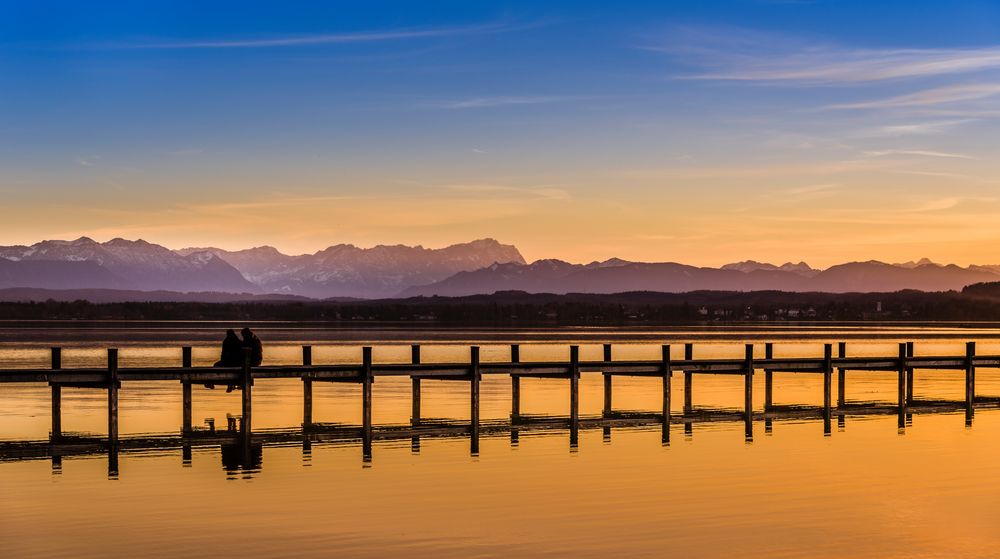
column 688, row 356
column 667, row 373
column 515, row 386
column 366, row 400
column 607, row 383
column 841, row 377
column 113, row 396
column 768, row 378
column 56, row 395
column 748, row 385
column 186, row 427
column 415, row 387
column 247, row 376
column 909, row 376
column 970, row 378
column 307, row 388
column 901, row 380
column 475, row 376
column 574, row 385
column 827, row 379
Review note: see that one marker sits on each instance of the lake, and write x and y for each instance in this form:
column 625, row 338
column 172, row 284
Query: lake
column 867, row 489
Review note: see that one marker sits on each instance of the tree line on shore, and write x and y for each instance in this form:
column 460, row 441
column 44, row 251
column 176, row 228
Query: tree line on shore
column 980, row 302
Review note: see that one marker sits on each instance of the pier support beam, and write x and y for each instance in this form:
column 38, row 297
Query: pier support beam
column 415, row 388
column 113, row 386
column 475, row 378
column 970, row 381
column 909, row 376
column 748, row 391
column 841, row 377
column 667, row 374
column 827, row 387
column 246, row 424
column 56, row 396
column 515, row 386
column 186, row 427
column 574, row 394
column 768, row 379
column 607, row 383
column 307, row 389
column 366, row 402
column 901, row 386
column 688, row 377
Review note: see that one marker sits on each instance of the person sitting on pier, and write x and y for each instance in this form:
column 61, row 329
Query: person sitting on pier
column 250, row 340
column 232, row 355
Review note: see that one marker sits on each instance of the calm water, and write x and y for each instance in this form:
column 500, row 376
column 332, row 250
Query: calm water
column 867, row 490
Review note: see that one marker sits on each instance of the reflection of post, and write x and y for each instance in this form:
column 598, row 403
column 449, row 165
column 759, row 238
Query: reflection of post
column 574, row 395
column 515, row 385
column 688, row 355
column 607, row 382
column 827, row 387
column 827, row 380
column 113, row 461
column 909, row 376
column 901, row 379
column 748, row 392
column 113, row 398
column 606, row 433
column 307, row 388
column 841, row 377
column 415, row 388
column 366, row 401
column 667, row 373
column 186, row 427
column 247, row 379
column 768, row 378
column 186, row 455
column 56, row 395
column 475, row 377
column 970, row 381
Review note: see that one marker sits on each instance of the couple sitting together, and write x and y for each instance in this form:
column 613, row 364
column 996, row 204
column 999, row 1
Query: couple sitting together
column 232, row 352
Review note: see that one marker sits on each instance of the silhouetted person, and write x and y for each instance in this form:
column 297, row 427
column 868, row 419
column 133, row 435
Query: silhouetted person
column 232, row 355
column 250, row 340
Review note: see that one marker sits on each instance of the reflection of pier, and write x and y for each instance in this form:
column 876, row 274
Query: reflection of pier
column 365, row 373
column 242, row 454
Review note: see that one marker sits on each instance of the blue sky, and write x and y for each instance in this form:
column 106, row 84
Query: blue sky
column 696, row 131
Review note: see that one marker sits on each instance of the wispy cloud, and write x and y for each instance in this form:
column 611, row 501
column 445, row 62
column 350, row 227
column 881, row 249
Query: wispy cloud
column 539, row 192
column 327, row 38
column 917, row 153
column 502, row 101
column 746, row 55
column 928, row 97
column 915, row 128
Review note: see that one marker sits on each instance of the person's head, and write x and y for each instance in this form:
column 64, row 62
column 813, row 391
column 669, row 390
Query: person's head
column 247, row 333
column 230, row 333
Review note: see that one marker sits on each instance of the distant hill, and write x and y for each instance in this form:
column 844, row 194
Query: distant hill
column 555, row 276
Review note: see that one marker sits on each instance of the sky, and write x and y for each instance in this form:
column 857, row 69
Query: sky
column 701, row 132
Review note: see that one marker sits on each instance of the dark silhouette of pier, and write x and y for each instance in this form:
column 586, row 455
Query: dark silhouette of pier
column 365, row 373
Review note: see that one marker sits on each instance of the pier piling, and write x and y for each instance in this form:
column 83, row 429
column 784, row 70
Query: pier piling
column 901, row 380
column 970, row 380
column 415, row 387
column 688, row 356
column 56, row 354
column 574, row 388
column 186, row 427
column 247, row 375
column 909, row 376
column 475, row 378
column 748, row 386
column 841, row 377
column 366, row 399
column 607, row 383
column 307, row 388
column 113, row 386
column 515, row 385
column 667, row 374
column 768, row 378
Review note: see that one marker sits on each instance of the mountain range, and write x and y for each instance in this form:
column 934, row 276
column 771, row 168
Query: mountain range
column 479, row 267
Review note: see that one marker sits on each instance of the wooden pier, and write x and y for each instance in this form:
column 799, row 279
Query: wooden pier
column 903, row 363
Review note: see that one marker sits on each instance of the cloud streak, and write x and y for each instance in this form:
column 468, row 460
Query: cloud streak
column 329, row 38
column 502, row 101
column 928, row 97
column 736, row 54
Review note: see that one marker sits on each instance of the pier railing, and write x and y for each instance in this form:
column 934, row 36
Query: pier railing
column 365, row 372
